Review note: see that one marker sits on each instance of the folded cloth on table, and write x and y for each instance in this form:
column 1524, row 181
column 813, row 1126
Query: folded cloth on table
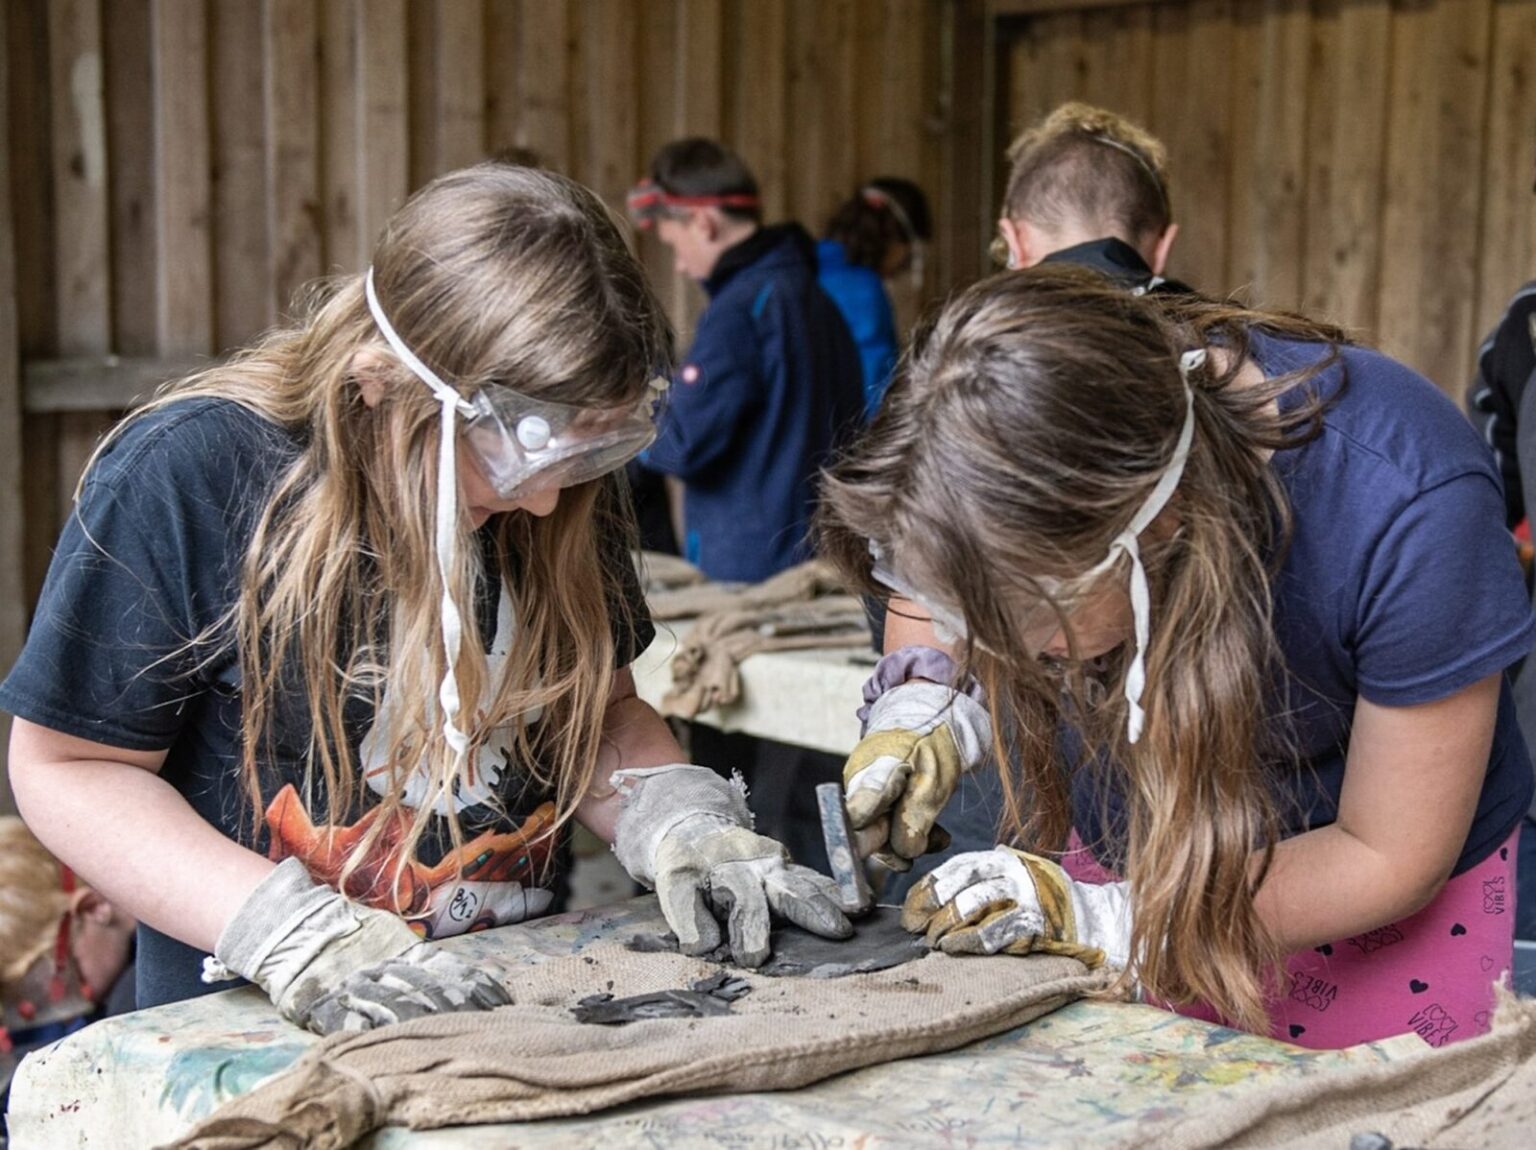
column 796, row 585
column 536, row 1060
column 660, row 572
column 704, row 670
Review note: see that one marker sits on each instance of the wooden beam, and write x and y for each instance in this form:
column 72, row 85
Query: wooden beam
column 13, row 564
column 98, row 383
column 997, row 8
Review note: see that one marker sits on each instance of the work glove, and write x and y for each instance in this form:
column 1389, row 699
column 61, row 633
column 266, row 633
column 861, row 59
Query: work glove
column 1004, row 901
column 918, row 739
column 687, row 833
column 329, row 964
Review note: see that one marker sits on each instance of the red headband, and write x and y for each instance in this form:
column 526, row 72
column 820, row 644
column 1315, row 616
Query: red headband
column 647, row 199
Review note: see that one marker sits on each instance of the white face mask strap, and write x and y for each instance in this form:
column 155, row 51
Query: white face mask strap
column 446, row 534
column 1141, row 597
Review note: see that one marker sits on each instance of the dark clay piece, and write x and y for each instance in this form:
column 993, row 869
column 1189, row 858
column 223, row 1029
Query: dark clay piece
column 703, row 998
column 878, row 943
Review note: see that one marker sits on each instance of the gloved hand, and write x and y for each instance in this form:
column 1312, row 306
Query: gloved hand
column 918, row 739
column 329, row 964
column 687, row 833
column 1004, row 901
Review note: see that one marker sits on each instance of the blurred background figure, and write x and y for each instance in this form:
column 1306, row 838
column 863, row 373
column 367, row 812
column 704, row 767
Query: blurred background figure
column 877, row 234
column 65, row 952
column 1089, row 187
column 772, row 380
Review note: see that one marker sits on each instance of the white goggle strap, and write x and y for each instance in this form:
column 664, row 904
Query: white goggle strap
column 446, row 534
column 1141, row 597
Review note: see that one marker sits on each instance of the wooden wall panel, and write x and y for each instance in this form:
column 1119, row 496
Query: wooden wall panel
column 184, row 289
column 13, row 568
column 293, row 148
column 1430, row 198
column 1507, row 249
column 1267, row 188
column 244, row 295
column 1346, row 151
column 130, row 107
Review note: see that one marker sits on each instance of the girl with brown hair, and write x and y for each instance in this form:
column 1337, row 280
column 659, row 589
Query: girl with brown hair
column 335, row 642
column 1232, row 601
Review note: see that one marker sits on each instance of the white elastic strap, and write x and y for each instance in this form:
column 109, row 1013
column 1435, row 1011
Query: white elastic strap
column 446, row 534
column 1141, row 597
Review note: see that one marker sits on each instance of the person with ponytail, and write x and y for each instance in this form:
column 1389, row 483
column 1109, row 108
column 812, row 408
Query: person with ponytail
column 334, row 645
column 879, row 232
column 1232, row 601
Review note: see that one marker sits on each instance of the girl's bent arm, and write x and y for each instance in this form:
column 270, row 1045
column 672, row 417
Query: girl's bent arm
column 106, row 813
column 635, row 736
column 1411, row 785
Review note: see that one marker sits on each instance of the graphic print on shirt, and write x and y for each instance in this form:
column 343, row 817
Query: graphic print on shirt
column 489, row 881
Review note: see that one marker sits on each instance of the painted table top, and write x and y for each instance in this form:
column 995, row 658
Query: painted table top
column 1093, row 1073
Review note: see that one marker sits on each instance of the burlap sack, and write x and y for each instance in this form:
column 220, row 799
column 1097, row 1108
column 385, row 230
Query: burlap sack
column 534, row 1060
column 1475, row 1094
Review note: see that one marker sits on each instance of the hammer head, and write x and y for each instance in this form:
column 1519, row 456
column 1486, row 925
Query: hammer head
column 842, row 855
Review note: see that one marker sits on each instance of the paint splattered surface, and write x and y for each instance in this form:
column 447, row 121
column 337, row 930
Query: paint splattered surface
column 1109, row 1072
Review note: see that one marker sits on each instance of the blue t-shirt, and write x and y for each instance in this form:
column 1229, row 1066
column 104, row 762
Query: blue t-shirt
column 1400, row 585
column 150, row 560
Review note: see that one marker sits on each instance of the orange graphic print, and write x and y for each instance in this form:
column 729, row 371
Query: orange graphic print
column 509, row 861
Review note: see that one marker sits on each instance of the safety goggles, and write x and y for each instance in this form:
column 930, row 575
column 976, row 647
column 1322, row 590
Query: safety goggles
column 523, row 445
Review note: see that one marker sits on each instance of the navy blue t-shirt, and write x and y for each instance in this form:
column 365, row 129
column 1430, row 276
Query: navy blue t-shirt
column 1400, row 585
column 148, row 562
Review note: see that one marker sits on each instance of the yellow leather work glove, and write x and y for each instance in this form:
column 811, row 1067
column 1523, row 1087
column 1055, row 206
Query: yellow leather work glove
column 919, row 738
column 1005, row 901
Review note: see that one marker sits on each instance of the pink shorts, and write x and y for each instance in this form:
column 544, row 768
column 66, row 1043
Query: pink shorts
column 1432, row 974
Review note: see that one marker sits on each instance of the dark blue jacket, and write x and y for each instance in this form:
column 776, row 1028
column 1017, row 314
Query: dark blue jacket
column 770, row 386
column 859, row 294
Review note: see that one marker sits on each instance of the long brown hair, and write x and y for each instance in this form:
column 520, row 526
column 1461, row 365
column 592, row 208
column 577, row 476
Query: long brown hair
column 1027, row 428
column 496, row 273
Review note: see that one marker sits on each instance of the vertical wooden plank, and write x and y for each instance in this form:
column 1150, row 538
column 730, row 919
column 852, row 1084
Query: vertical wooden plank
column 610, row 89
column 1271, row 54
column 79, row 177
column 382, row 156
column 659, row 122
column 1434, row 140
column 293, row 147
column 242, row 272
column 1117, row 60
column 1507, row 251
column 1191, row 90
column 340, row 135
column 502, row 36
column 460, row 83
column 1347, row 100
column 1047, row 66
column 971, row 138
column 130, row 159
column 13, row 568
column 758, row 102
column 32, row 198
column 185, row 295
column 544, row 82
column 701, row 42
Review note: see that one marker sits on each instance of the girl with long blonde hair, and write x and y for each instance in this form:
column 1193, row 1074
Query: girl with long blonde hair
column 1231, row 602
column 335, row 643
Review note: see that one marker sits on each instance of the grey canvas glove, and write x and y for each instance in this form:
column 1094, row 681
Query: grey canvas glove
column 687, row 833
column 329, row 964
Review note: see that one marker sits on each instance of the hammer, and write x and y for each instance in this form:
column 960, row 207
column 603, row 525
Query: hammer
column 843, row 857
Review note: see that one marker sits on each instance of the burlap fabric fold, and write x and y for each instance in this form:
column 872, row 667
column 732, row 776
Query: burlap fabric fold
column 799, row 584
column 534, row 1060
column 705, row 669
column 1479, row 1093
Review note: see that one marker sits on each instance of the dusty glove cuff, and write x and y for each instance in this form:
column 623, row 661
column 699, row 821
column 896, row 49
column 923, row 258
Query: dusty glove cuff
column 913, row 662
column 922, row 707
column 658, row 799
column 270, row 913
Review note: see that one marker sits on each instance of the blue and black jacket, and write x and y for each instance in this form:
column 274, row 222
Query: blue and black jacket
column 770, row 387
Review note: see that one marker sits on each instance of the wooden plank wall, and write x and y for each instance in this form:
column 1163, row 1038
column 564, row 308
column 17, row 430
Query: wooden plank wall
column 1370, row 161
column 176, row 170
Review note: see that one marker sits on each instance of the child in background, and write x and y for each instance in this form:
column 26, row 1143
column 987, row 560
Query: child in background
column 877, row 234
column 64, row 950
